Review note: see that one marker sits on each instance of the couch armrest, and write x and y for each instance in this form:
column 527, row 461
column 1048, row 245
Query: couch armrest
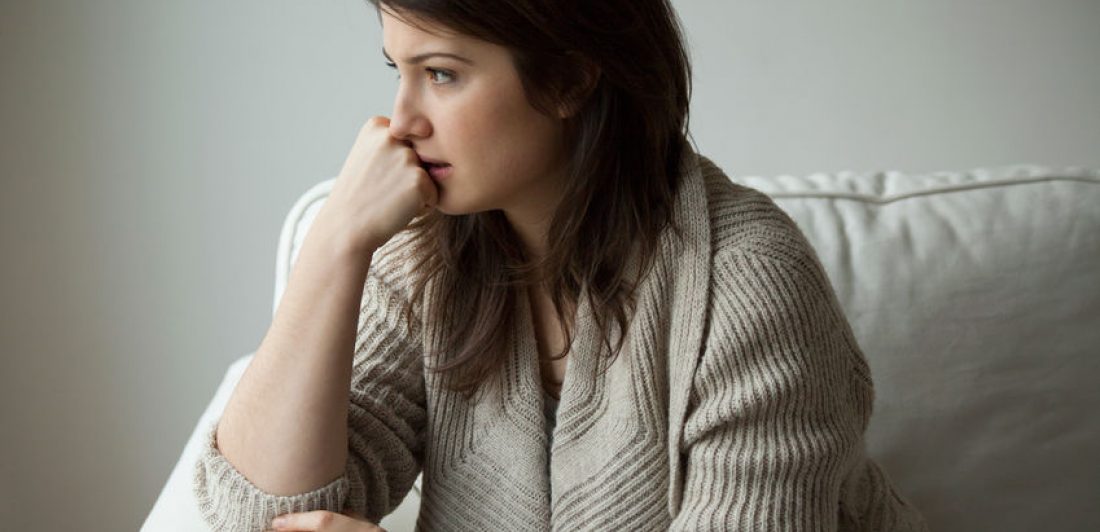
column 176, row 508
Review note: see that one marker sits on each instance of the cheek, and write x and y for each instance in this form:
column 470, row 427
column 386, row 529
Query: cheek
column 504, row 144
column 519, row 138
column 499, row 139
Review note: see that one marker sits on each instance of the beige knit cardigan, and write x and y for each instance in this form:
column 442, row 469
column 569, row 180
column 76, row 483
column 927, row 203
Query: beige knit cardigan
column 739, row 402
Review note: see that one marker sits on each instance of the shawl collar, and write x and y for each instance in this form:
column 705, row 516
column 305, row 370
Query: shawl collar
column 504, row 438
column 691, row 273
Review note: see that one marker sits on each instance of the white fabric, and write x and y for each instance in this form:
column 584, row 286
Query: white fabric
column 976, row 299
column 176, row 509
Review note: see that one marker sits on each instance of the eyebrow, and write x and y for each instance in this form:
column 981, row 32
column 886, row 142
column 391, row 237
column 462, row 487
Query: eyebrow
column 417, row 59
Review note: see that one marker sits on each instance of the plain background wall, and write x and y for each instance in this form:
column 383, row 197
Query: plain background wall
column 149, row 151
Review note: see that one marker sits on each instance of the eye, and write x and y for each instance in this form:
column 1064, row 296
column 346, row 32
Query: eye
column 435, row 71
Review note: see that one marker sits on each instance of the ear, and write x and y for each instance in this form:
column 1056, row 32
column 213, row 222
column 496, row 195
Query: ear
column 580, row 86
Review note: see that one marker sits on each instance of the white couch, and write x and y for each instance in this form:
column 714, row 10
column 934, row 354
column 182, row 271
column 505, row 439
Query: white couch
column 976, row 298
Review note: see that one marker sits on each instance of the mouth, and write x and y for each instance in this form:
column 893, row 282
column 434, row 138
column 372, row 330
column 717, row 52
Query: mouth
column 428, row 161
column 437, row 170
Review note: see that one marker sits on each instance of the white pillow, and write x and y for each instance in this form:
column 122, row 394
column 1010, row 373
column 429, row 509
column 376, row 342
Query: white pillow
column 976, row 299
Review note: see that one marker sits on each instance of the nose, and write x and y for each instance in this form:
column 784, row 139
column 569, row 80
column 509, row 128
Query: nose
column 408, row 120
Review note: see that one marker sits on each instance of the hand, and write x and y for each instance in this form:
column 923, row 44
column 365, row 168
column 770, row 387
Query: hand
column 322, row 521
column 379, row 190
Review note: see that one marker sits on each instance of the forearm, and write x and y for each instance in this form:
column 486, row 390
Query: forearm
column 285, row 426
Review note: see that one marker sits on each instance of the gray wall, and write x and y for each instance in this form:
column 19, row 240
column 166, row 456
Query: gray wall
column 150, row 150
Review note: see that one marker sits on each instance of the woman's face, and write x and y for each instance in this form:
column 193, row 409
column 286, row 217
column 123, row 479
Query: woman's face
column 470, row 111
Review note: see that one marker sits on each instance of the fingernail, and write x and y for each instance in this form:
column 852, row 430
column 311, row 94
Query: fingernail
column 279, row 522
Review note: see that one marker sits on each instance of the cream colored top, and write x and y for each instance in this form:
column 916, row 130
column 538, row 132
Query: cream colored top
column 739, row 402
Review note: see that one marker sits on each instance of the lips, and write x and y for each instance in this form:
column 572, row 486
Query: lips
column 428, row 161
column 436, row 168
column 438, row 173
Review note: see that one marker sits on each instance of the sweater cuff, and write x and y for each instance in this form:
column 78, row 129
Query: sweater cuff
column 228, row 501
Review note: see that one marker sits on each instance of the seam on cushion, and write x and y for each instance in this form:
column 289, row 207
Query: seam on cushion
column 940, row 190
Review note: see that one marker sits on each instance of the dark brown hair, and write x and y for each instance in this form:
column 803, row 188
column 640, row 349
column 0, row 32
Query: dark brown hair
column 626, row 138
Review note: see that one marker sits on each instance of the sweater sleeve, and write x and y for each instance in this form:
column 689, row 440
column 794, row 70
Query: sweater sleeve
column 386, row 424
column 779, row 400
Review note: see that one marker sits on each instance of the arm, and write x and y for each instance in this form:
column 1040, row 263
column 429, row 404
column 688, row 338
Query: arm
column 283, row 443
column 285, row 426
column 320, row 421
column 779, row 401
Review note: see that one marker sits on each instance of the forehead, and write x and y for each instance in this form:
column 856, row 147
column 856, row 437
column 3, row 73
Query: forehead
column 407, row 38
column 405, row 30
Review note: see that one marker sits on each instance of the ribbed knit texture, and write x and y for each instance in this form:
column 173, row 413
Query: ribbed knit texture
column 739, row 402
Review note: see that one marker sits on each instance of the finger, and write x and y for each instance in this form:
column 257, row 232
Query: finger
column 379, row 121
column 429, row 194
column 424, row 211
column 303, row 521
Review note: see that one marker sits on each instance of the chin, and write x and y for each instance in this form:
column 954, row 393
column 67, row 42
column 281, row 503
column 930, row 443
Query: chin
column 450, row 209
column 449, row 206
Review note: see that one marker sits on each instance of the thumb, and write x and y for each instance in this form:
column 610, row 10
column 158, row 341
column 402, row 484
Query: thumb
column 429, row 192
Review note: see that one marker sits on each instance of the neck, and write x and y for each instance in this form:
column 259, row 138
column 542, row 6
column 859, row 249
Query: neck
column 531, row 215
column 531, row 211
column 532, row 227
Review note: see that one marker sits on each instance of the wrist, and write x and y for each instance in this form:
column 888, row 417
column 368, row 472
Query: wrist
column 340, row 245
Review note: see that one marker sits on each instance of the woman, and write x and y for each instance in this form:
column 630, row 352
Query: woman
column 531, row 225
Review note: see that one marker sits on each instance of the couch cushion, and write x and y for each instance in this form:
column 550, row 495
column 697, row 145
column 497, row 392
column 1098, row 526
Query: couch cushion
column 976, row 299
